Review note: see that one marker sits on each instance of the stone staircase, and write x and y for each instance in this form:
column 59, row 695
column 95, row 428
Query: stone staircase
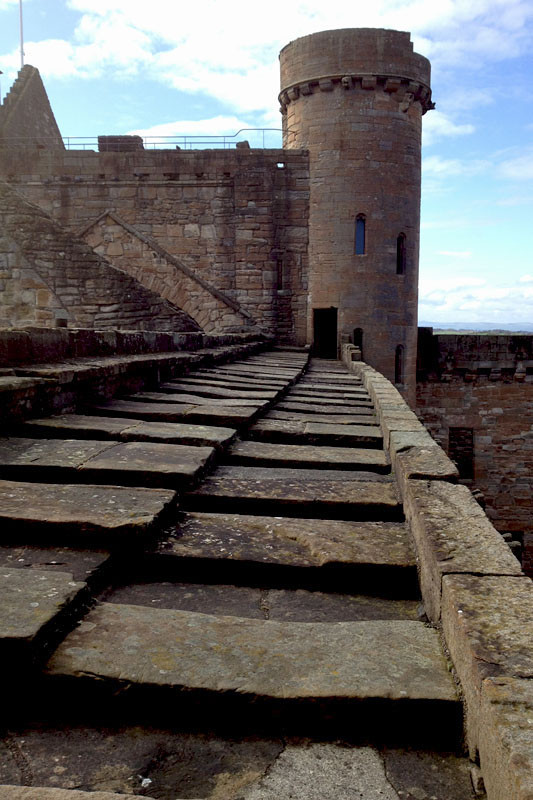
column 210, row 591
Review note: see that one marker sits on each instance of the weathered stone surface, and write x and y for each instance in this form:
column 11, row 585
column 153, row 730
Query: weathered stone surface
column 337, row 419
column 149, row 464
column 309, row 408
column 323, row 399
column 452, row 535
column 226, row 379
column 29, row 601
column 146, row 463
column 280, row 455
column 82, row 564
column 295, row 542
column 201, row 390
column 177, row 412
column 87, row 511
column 164, row 397
column 274, row 430
column 88, row 427
column 396, row 660
column 323, row 770
column 321, row 498
column 298, row 473
column 488, row 628
column 48, row 793
column 506, row 737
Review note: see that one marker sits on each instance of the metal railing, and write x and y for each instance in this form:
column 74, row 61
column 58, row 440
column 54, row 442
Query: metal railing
column 262, row 138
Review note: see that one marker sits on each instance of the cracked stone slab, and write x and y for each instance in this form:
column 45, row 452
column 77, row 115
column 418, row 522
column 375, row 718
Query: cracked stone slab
column 30, row 602
column 452, row 535
column 488, row 627
column 84, row 565
column 309, row 408
column 91, row 512
column 202, row 390
column 322, row 498
column 289, row 541
column 340, row 419
column 506, row 737
column 217, row 378
column 192, row 383
column 296, row 473
column 289, row 605
column 329, row 393
column 179, row 649
column 177, row 412
column 322, row 399
column 307, row 456
column 164, row 397
column 147, row 463
column 286, row 432
column 120, row 428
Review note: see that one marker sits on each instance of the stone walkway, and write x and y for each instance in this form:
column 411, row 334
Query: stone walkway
column 208, row 591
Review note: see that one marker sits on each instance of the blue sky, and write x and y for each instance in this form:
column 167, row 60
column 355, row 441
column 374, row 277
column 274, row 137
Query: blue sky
column 206, row 67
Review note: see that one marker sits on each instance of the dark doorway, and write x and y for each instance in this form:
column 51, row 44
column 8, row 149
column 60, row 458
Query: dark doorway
column 325, row 332
column 358, row 339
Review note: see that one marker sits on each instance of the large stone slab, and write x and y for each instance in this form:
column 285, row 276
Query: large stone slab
column 337, row 419
column 32, row 605
column 273, row 430
column 137, row 463
column 222, row 392
column 453, row 535
column 344, row 391
column 98, row 427
column 324, row 399
column 264, row 454
column 246, row 381
column 309, row 408
column 225, row 416
column 488, row 627
column 55, row 511
column 506, row 738
column 288, row 541
column 323, row 498
column 169, row 466
column 82, row 564
column 179, row 649
column 164, row 397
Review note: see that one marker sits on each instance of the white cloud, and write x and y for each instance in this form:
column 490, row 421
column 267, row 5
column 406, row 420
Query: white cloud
column 472, row 300
column 442, row 167
column 519, row 168
column 438, row 125
column 526, row 279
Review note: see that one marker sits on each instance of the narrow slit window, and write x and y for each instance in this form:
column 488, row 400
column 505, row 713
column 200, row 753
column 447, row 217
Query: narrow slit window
column 398, row 364
column 360, row 233
column 400, row 254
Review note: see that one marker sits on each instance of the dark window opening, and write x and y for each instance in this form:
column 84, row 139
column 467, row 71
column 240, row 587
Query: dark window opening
column 358, row 339
column 398, row 364
column 279, row 274
column 325, row 332
column 360, row 225
column 461, row 450
column 400, row 254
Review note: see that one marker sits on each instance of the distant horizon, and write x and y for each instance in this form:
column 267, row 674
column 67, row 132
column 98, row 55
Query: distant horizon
column 511, row 327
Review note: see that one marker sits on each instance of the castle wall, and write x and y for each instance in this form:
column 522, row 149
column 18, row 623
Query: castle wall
column 237, row 220
column 48, row 276
column 484, row 385
column 355, row 99
column 26, row 117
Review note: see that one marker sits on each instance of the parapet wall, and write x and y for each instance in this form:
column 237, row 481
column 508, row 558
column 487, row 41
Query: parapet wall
column 473, row 590
column 475, row 396
column 236, row 219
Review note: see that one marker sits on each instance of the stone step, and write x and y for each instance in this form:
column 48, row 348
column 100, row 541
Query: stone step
column 297, row 395
column 129, row 463
column 215, row 377
column 308, row 388
column 356, row 416
column 265, row 454
column 257, row 602
column 259, row 371
column 285, row 432
column 82, row 426
column 48, row 512
column 371, row 557
column 312, row 408
column 182, row 397
column 224, row 416
column 268, row 668
column 49, row 793
column 323, row 494
column 203, row 390
column 35, row 606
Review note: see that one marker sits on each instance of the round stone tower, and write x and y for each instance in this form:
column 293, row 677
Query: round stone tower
column 354, row 98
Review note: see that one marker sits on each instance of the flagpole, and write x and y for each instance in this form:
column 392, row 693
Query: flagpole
column 21, row 36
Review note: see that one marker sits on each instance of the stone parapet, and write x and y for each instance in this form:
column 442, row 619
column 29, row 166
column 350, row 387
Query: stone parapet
column 473, row 590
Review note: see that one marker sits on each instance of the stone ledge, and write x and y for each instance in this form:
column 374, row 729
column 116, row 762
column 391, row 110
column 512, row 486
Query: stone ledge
column 47, row 793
